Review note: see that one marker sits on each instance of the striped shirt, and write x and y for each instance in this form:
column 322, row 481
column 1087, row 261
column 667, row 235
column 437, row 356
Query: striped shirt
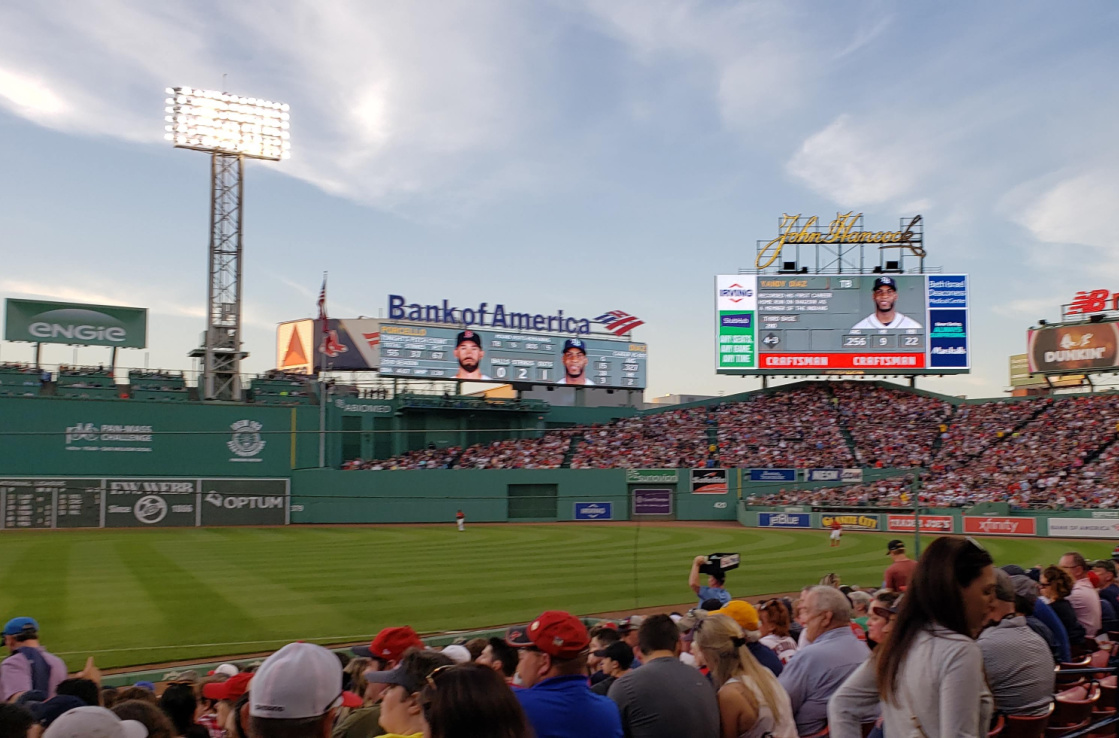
column 1019, row 667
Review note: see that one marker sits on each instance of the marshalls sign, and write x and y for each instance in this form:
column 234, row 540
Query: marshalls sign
column 75, row 323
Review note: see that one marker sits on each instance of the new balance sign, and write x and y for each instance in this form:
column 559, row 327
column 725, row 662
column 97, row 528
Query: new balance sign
column 1000, row 526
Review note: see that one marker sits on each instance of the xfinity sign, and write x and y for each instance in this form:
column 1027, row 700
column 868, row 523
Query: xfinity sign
column 74, row 323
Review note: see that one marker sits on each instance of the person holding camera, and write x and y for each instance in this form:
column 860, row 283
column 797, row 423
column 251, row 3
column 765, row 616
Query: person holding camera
column 716, row 579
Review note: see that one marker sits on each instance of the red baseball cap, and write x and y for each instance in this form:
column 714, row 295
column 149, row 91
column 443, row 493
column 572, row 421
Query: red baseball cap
column 231, row 689
column 390, row 644
column 555, row 632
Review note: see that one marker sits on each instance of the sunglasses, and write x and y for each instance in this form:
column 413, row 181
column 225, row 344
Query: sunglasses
column 433, row 677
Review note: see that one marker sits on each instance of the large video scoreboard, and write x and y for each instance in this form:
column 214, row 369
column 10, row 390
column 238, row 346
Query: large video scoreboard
column 419, row 351
column 842, row 324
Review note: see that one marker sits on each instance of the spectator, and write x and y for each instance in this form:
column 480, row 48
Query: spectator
column 751, row 700
column 773, row 624
column 501, row 657
column 880, row 622
column 616, row 662
column 601, row 637
column 207, row 713
column 475, row 646
column 715, row 584
column 179, row 704
column 1052, row 629
column 552, row 668
column 384, row 652
column 860, row 608
column 471, row 701
column 15, row 721
column 627, row 629
column 1056, row 585
column 746, row 616
column 898, row 572
column 1017, row 661
column 47, row 712
column 224, row 695
column 30, row 666
column 84, row 689
column 1084, row 599
column 83, row 722
column 831, row 654
column 1106, row 570
column 928, row 675
column 148, row 715
column 296, row 692
column 665, row 697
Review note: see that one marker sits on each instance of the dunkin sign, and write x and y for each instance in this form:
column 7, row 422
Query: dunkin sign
column 1000, row 526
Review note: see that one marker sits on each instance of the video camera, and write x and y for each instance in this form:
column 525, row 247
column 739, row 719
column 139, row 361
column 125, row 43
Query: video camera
column 719, row 564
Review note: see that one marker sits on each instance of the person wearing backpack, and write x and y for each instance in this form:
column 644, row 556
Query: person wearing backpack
column 30, row 666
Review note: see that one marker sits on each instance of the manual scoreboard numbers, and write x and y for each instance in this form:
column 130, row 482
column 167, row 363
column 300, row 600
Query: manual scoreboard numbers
column 837, row 323
column 429, row 352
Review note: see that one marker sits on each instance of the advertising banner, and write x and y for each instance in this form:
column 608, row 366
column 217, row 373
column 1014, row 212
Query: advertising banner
column 784, row 520
column 929, row 523
column 594, row 510
column 1083, row 528
column 504, row 356
column 81, row 502
column 1000, row 526
column 816, row 323
column 347, row 345
column 851, row 521
column 75, row 323
column 243, row 501
column 709, row 481
column 652, row 502
column 295, row 347
column 834, row 475
column 1071, row 348
column 652, row 476
column 773, row 475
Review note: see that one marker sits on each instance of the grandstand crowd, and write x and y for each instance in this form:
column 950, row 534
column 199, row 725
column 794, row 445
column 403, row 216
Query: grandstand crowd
column 1047, row 452
column 949, row 645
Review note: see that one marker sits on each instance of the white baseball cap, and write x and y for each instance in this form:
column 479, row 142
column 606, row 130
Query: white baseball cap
column 301, row 680
column 94, row 722
column 458, row 654
column 227, row 669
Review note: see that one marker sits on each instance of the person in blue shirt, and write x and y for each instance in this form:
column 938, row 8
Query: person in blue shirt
column 715, row 584
column 552, row 671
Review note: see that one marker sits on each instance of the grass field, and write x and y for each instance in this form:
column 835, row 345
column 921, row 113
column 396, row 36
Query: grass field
column 148, row 596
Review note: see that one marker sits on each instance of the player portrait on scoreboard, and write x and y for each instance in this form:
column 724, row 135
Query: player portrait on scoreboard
column 469, row 352
column 885, row 315
column 575, row 363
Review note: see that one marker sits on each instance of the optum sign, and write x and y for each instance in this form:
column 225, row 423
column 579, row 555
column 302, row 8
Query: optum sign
column 75, row 323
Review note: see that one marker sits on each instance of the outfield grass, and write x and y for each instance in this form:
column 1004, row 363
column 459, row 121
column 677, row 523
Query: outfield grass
column 146, row 596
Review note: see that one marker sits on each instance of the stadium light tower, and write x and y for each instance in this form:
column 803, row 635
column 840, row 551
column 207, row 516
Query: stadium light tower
column 229, row 128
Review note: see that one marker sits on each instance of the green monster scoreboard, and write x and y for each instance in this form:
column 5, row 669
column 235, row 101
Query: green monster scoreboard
column 419, row 351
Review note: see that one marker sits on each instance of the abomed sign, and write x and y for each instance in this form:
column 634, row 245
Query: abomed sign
column 75, row 323
column 497, row 317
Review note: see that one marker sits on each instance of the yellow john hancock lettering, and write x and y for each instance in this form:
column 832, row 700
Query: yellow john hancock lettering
column 840, row 231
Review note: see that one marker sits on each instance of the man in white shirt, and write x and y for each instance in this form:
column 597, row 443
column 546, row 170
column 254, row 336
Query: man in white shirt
column 885, row 315
column 1084, row 599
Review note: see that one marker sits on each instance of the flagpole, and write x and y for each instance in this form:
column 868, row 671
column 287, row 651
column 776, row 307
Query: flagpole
column 322, row 385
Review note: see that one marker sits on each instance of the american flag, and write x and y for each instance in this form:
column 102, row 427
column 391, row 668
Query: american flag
column 322, row 304
column 331, row 346
column 619, row 323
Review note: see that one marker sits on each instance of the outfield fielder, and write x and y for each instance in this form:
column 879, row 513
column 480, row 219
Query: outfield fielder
column 836, row 532
column 460, row 517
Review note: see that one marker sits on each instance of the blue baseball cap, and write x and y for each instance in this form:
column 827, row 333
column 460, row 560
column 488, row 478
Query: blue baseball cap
column 575, row 343
column 16, row 626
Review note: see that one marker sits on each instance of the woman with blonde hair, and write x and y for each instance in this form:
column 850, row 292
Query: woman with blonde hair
column 752, row 703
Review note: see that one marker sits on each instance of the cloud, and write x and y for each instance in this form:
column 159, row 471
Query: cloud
column 858, row 164
column 1074, row 210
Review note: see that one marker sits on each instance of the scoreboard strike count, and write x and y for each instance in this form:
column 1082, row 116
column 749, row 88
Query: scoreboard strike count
column 842, row 324
column 502, row 356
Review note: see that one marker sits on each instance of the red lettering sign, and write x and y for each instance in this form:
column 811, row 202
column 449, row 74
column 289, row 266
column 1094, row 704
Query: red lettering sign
column 1000, row 526
column 1094, row 301
column 841, row 361
column 929, row 523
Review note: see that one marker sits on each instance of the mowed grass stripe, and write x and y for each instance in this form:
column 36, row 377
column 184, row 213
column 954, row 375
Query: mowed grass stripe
column 96, row 590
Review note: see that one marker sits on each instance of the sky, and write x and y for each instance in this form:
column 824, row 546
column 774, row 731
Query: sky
column 586, row 155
